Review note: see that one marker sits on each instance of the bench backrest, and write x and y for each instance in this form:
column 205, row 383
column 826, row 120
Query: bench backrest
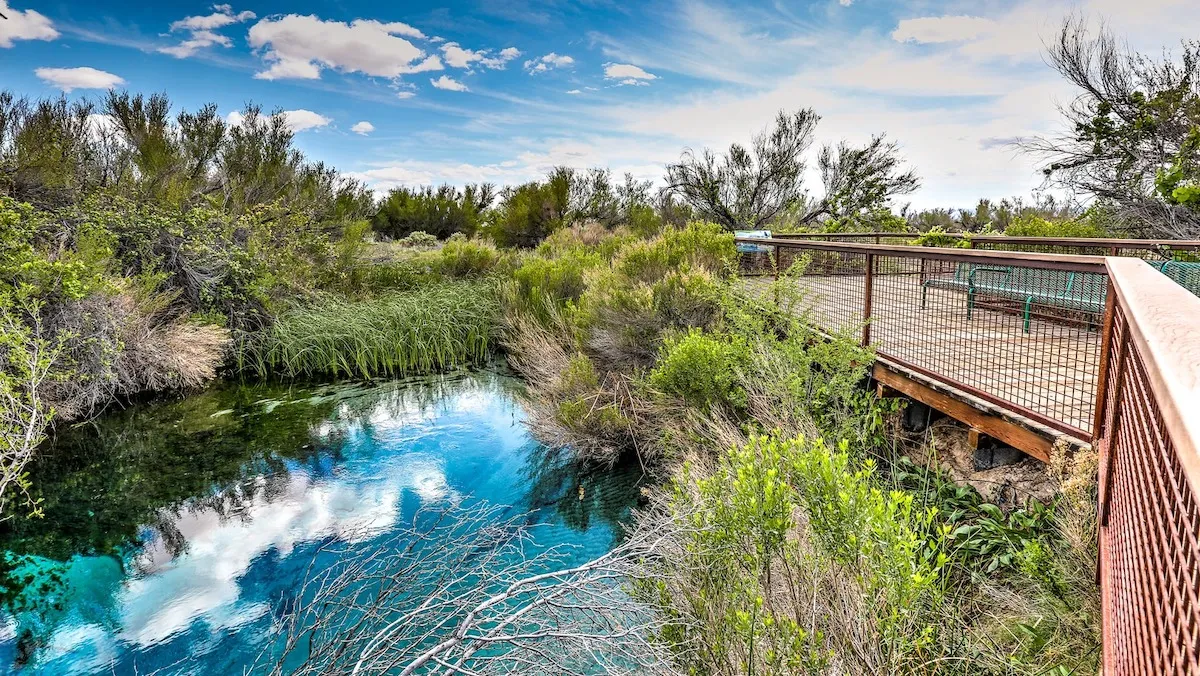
column 1184, row 273
column 1037, row 281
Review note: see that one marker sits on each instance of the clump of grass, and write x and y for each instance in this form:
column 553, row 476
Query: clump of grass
column 403, row 333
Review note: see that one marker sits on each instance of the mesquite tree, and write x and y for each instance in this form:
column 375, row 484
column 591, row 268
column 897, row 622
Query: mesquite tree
column 1132, row 136
column 752, row 187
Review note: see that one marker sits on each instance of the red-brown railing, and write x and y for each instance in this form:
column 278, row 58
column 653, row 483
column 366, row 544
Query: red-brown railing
column 1149, row 249
column 1124, row 374
column 1149, row 441
column 938, row 312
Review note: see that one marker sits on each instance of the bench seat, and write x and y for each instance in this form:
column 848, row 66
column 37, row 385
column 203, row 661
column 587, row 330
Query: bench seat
column 1081, row 291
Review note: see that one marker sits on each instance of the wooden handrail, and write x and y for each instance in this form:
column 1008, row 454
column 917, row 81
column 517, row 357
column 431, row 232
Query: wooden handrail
column 1093, row 242
column 1069, row 262
column 1164, row 325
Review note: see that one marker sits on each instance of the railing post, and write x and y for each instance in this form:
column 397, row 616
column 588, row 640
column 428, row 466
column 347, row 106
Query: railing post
column 1105, row 359
column 775, row 253
column 868, row 288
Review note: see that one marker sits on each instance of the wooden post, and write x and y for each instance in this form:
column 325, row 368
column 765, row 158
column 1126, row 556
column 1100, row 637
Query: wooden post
column 868, row 288
column 1105, row 360
column 775, row 253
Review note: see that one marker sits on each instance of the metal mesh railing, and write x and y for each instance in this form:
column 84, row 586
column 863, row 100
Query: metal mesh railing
column 1020, row 330
column 1149, row 518
column 1178, row 259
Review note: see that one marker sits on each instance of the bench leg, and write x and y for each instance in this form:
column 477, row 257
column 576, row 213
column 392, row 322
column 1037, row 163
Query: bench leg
column 970, row 302
column 1028, row 303
column 924, row 290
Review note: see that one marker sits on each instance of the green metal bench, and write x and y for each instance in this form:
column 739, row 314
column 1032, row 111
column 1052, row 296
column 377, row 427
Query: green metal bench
column 1185, row 273
column 1082, row 291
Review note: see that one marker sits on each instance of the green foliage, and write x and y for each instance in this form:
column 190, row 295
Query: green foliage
column 440, row 213
column 940, row 238
column 529, row 213
column 702, row 369
column 461, row 257
column 699, row 245
column 875, row 219
column 746, row 602
column 401, row 333
column 1035, row 226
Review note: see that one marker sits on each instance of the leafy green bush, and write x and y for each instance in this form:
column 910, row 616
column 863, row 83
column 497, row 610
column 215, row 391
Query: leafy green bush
column 784, row 536
column 438, row 213
column 1036, row 226
column 699, row 245
column 529, row 213
column 461, row 257
column 702, row 370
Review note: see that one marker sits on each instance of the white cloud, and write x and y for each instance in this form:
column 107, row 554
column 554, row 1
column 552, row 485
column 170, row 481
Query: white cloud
column 624, row 70
column 628, row 75
column 201, row 30
column 297, row 120
column 69, row 79
column 448, row 83
column 362, row 128
column 300, row 120
column 24, row 25
column 574, row 91
column 943, row 29
column 460, row 57
column 547, row 62
column 224, row 16
column 301, row 46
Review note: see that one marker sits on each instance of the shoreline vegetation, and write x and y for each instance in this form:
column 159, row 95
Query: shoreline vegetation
column 792, row 532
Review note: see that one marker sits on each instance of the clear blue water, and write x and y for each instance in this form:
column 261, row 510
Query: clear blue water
column 176, row 531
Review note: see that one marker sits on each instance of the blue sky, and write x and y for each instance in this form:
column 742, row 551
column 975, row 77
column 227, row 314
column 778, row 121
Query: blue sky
column 472, row 90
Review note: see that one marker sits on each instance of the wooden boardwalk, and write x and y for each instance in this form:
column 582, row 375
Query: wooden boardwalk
column 1051, row 370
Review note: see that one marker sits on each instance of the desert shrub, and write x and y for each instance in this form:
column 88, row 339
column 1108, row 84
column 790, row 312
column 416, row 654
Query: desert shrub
column 702, row 369
column 419, row 239
column 539, row 282
column 623, row 322
column 437, row 212
column 1036, row 226
column 588, row 237
column 461, row 257
column 400, row 333
column 699, row 245
column 939, row 237
column 528, row 213
column 789, row 558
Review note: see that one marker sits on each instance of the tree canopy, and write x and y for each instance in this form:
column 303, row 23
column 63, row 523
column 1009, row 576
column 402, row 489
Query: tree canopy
column 1132, row 136
column 752, row 187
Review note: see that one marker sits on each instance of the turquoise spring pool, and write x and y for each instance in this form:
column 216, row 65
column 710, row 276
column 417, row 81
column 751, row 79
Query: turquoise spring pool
column 176, row 532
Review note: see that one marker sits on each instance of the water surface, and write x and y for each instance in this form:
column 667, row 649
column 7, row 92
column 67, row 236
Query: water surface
column 176, row 531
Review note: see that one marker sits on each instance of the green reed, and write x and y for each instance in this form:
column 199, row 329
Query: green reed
column 400, row 333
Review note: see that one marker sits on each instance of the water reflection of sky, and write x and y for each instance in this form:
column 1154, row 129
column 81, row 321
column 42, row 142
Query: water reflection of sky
column 201, row 590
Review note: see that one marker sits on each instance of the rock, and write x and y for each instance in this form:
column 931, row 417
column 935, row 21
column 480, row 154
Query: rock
column 991, row 456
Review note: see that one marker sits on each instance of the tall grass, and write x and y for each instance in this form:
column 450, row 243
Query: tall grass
column 400, row 333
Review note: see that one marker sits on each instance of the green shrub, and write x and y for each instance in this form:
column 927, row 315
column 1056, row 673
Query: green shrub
column 529, row 213
column 699, row 245
column 461, row 257
column 402, row 333
column 1036, row 226
column 560, row 280
column 419, row 239
column 781, row 538
column 438, row 213
column 702, row 370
